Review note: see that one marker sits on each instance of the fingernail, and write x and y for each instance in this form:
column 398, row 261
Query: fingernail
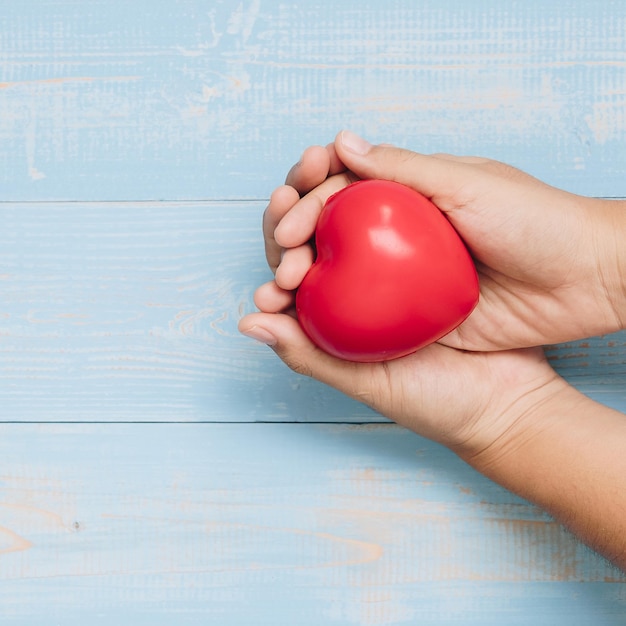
column 260, row 334
column 354, row 143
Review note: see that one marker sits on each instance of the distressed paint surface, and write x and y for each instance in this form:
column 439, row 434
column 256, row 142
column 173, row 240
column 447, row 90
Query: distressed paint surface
column 116, row 312
column 371, row 525
column 138, row 143
column 189, row 99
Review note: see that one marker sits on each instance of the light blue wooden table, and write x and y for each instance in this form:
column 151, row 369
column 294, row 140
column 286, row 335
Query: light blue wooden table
column 157, row 468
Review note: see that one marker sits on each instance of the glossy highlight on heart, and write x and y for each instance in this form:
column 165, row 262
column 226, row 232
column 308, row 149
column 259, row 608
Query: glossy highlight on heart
column 390, row 277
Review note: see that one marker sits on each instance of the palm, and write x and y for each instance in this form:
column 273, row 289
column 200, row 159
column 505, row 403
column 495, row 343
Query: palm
column 513, row 313
column 443, row 393
column 534, row 283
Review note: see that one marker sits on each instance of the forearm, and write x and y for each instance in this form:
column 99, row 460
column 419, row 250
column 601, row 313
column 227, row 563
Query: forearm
column 568, row 455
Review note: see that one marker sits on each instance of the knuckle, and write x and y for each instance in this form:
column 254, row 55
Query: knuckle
column 503, row 170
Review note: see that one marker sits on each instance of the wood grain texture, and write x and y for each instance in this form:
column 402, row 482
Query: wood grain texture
column 193, row 524
column 128, row 312
column 189, row 99
column 138, row 141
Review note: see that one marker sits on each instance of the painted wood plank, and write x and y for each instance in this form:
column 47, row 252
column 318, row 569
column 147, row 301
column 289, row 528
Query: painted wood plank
column 195, row 99
column 276, row 524
column 129, row 312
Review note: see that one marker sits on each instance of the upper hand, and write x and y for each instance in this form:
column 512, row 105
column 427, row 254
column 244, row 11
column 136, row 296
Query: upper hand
column 548, row 261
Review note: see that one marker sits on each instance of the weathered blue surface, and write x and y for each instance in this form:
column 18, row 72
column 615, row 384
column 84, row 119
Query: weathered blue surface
column 190, row 99
column 128, row 311
column 138, row 143
column 277, row 524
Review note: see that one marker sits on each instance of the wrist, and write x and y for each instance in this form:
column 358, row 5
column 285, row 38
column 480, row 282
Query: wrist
column 522, row 404
column 566, row 455
column 525, row 421
column 609, row 248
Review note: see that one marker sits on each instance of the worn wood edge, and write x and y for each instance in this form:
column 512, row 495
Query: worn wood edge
column 150, row 106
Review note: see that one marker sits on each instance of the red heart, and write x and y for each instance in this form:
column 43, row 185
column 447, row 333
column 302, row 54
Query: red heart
column 391, row 274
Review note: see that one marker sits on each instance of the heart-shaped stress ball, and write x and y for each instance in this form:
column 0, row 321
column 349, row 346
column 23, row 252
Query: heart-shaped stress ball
column 390, row 277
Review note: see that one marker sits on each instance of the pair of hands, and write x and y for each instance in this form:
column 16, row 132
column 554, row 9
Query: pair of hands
column 548, row 264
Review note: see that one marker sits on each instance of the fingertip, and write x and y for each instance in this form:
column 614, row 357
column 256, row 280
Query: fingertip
column 336, row 165
column 315, row 156
column 357, row 154
column 283, row 196
column 349, row 142
column 282, row 199
column 294, row 266
column 246, row 323
column 270, row 298
column 285, row 336
column 291, row 344
column 310, row 171
column 315, row 152
column 298, row 225
column 274, row 329
column 253, row 327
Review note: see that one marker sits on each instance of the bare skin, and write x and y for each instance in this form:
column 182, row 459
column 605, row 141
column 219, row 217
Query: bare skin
column 549, row 261
column 550, row 267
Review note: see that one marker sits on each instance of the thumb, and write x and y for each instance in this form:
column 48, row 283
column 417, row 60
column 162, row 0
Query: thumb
column 285, row 336
column 436, row 177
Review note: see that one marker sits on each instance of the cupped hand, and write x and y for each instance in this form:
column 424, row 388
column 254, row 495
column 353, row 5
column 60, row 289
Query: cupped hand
column 548, row 261
column 466, row 401
column 551, row 268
